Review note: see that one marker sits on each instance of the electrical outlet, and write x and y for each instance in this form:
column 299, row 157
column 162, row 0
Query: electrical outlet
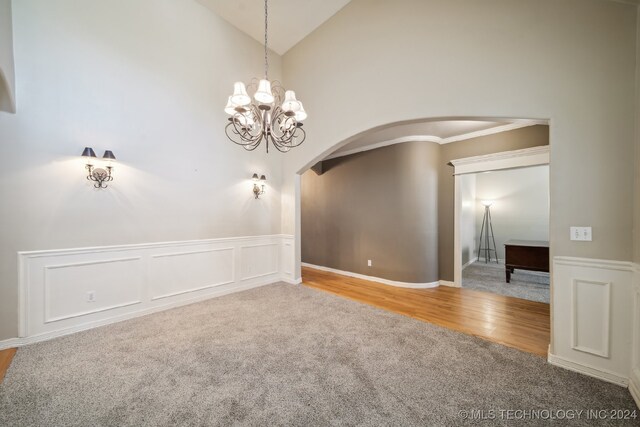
column 369, row 263
column 91, row 296
column 582, row 234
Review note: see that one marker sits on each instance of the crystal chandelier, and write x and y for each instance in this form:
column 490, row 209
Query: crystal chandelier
column 274, row 114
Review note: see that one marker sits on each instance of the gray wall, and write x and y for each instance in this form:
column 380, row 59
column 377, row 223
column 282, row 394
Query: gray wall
column 520, row 207
column 513, row 140
column 379, row 205
column 393, row 205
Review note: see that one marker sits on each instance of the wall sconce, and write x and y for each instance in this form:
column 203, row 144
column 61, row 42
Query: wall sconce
column 98, row 175
column 258, row 190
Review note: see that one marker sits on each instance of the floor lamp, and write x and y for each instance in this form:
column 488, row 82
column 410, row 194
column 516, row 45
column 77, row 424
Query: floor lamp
column 486, row 234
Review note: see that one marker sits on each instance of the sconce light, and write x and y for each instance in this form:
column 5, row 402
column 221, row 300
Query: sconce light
column 258, row 190
column 98, row 175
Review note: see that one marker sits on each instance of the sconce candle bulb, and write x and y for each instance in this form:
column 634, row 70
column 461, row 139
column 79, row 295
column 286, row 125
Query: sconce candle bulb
column 99, row 175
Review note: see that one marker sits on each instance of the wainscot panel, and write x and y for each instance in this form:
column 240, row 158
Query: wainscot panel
column 594, row 335
column 68, row 290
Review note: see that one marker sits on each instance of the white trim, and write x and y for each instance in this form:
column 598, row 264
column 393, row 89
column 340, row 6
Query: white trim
column 11, row 343
column 438, row 140
column 585, row 369
column 19, row 342
column 97, row 249
column 292, row 281
column 471, row 261
column 533, row 156
column 448, row 283
column 373, row 278
column 411, row 138
column 634, row 386
column 603, row 264
column 493, row 261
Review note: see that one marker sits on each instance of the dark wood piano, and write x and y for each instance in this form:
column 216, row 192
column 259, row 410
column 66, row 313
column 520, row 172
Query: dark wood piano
column 526, row 255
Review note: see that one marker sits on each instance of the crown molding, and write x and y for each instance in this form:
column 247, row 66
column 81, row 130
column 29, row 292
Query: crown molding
column 432, row 138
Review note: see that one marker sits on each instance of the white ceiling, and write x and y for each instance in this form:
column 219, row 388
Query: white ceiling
column 439, row 131
column 289, row 20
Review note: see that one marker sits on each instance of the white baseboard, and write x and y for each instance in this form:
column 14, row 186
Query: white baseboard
column 493, row 261
column 11, row 343
column 471, row 261
column 588, row 370
column 292, row 281
column 374, row 279
column 448, row 283
column 634, row 386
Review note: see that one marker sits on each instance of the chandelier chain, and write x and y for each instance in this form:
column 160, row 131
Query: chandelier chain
column 266, row 23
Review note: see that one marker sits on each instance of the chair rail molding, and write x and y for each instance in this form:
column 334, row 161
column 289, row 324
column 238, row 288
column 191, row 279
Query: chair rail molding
column 68, row 290
column 594, row 335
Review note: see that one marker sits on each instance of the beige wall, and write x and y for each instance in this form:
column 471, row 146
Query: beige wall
column 378, row 62
column 147, row 79
column 506, row 141
column 378, row 205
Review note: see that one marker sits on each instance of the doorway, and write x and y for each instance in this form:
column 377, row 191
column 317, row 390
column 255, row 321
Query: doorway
column 502, row 215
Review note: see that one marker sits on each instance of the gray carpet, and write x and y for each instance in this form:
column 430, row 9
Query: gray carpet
column 529, row 285
column 284, row 355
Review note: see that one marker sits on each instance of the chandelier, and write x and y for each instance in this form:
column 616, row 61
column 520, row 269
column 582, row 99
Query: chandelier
column 272, row 113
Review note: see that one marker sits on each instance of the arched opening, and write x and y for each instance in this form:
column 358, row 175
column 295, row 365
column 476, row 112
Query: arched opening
column 401, row 227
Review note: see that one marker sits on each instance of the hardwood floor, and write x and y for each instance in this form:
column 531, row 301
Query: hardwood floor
column 6, row 356
column 513, row 322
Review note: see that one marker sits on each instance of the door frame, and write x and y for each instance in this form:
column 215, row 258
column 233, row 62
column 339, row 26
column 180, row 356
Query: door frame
column 534, row 156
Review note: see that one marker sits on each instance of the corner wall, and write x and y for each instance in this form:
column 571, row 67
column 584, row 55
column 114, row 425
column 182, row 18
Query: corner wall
column 572, row 62
column 147, row 79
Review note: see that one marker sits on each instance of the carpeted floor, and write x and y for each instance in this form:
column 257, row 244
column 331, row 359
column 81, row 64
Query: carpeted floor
column 285, row 355
column 529, row 285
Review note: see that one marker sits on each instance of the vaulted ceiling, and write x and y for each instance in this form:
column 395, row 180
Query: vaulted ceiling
column 289, row 20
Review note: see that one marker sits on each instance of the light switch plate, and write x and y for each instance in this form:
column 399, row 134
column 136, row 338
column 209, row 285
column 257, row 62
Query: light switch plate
column 582, row 234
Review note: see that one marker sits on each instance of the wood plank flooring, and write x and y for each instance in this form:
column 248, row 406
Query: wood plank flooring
column 6, row 356
column 513, row 322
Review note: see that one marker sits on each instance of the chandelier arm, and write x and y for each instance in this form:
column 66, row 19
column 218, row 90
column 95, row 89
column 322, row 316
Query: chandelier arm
column 280, row 147
column 247, row 142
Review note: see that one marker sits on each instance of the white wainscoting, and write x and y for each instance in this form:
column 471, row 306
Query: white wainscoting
column 634, row 379
column 592, row 317
column 68, row 290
